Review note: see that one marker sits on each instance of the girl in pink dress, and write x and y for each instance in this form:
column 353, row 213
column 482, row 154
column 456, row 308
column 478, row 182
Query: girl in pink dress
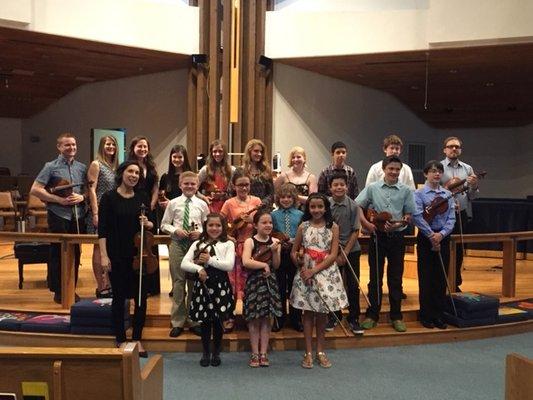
column 239, row 212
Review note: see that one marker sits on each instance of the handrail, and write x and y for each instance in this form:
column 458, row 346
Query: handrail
column 508, row 240
column 67, row 241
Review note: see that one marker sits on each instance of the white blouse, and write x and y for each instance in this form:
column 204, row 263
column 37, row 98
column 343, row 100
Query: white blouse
column 224, row 257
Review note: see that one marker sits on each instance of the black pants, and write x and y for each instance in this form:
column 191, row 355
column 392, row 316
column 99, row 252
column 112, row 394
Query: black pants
column 214, row 327
column 392, row 247
column 432, row 278
column 351, row 286
column 56, row 224
column 285, row 276
column 125, row 284
column 460, row 222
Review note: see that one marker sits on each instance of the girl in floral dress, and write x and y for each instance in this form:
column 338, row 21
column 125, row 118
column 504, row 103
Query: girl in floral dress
column 318, row 288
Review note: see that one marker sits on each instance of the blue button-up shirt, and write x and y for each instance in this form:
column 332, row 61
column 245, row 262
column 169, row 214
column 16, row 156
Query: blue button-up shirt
column 74, row 172
column 441, row 223
column 294, row 216
column 396, row 199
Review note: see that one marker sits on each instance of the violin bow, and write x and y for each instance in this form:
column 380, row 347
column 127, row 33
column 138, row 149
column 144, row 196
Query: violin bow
column 316, row 287
column 143, row 211
column 354, row 275
column 446, row 279
column 377, row 267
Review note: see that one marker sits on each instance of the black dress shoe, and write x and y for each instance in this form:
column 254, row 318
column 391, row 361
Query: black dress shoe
column 427, row 324
column 404, row 296
column 175, row 332
column 196, row 330
column 204, row 361
column 170, row 294
column 215, row 360
column 439, row 323
column 57, row 298
column 143, row 354
column 76, row 298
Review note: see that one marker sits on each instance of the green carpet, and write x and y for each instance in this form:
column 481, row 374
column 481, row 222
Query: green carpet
column 464, row 370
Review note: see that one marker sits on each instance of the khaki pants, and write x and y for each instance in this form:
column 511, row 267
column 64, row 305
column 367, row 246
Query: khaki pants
column 179, row 315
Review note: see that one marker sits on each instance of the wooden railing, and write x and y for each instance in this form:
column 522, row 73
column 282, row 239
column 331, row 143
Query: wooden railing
column 508, row 240
column 68, row 241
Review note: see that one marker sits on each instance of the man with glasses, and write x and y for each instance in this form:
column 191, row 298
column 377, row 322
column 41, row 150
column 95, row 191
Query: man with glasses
column 453, row 168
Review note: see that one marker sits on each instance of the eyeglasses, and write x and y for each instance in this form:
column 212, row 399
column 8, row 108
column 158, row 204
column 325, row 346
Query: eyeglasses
column 453, row 146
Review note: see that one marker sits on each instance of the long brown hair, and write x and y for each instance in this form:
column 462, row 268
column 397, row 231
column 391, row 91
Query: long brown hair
column 149, row 160
column 263, row 166
column 212, row 166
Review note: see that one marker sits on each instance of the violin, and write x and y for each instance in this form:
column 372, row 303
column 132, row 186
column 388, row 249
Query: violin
column 456, row 185
column 264, row 253
column 239, row 223
column 63, row 187
column 212, row 191
column 439, row 205
column 381, row 218
column 197, row 252
column 284, row 239
column 144, row 241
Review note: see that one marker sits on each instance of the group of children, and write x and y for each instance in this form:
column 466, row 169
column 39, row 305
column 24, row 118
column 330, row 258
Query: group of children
column 233, row 254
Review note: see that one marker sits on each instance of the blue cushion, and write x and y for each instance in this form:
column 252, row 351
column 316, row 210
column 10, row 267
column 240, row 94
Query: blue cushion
column 48, row 323
column 10, row 321
column 474, row 302
column 467, row 323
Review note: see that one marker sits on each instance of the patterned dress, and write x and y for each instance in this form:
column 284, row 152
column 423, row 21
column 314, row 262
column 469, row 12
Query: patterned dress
column 213, row 299
column 327, row 287
column 106, row 182
column 261, row 295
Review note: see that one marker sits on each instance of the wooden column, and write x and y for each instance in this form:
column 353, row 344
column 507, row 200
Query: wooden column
column 209, row 90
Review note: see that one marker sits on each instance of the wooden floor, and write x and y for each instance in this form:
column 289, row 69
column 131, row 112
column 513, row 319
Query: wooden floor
column 480, row 274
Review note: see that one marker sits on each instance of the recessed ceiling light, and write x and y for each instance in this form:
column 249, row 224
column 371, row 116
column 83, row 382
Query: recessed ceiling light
column 489, row 84
column 414, row 87
column 453, row 71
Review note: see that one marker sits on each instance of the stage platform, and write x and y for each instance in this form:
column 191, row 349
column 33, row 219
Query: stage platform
column 480, row 275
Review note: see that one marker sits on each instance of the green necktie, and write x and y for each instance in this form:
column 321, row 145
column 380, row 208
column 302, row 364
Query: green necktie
column 186, row 214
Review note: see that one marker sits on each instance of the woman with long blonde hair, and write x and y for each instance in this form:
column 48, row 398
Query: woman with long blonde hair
column 102, row 173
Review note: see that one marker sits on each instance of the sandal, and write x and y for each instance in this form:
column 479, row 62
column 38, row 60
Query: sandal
column 254, row 360
column 263, row 360
column 307, row 362
column 323, row 360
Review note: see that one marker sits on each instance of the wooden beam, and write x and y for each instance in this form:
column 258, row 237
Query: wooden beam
column 509, row 268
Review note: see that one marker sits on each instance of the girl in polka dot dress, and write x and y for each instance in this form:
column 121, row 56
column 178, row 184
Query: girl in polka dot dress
column 211, row 257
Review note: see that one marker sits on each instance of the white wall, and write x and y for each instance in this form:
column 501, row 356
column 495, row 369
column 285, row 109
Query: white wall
column 10, row 150
column 313, row 28
column 313, row 111
column 160, row 25
column 152, row 105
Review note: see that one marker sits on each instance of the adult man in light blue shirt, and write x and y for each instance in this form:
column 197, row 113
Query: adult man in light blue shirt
column 453, row 168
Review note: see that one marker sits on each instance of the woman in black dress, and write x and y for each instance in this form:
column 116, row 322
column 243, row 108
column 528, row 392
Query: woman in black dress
column 119, row 219
column 140, row 152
